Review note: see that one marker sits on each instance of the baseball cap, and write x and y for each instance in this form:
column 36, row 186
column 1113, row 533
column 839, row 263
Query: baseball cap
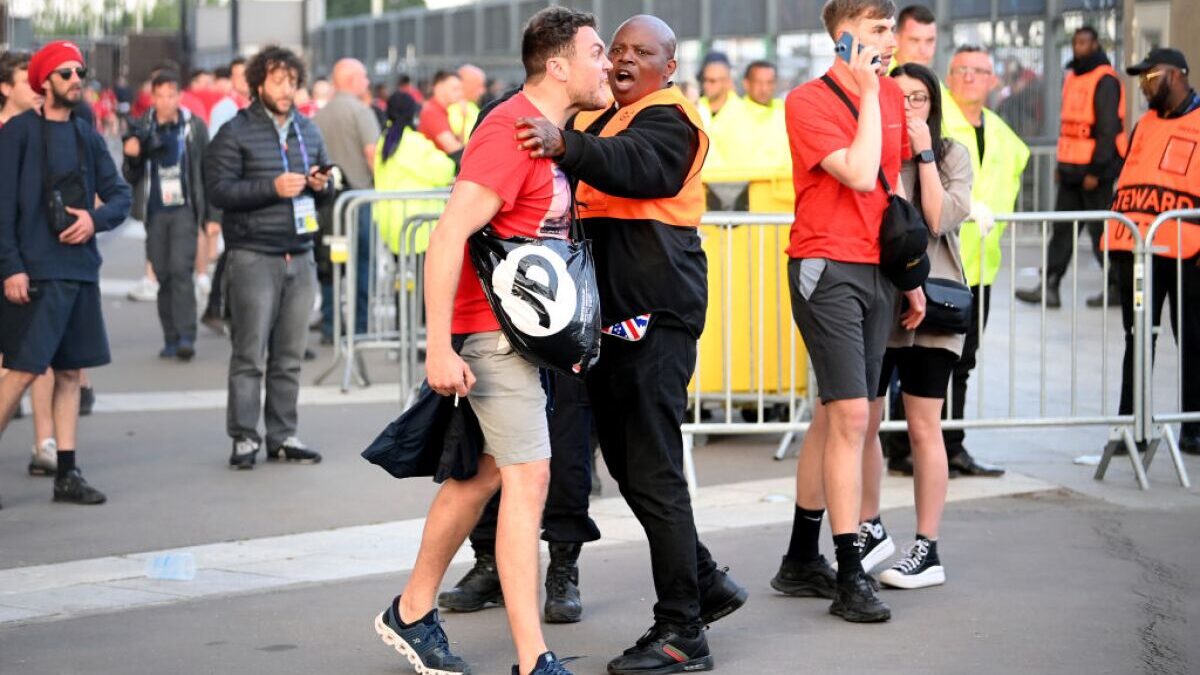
column 1161, row 56
column 903, row 238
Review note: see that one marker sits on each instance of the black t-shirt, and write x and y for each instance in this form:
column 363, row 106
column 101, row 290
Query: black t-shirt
column 64, row 152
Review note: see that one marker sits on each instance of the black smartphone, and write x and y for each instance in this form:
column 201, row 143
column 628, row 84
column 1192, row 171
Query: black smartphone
column 35, row 292
column 325, row 168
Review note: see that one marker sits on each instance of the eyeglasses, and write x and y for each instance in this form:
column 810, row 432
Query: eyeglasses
column 1148, row 75
column 917, row 99
column 963, row 71
column 65, row 73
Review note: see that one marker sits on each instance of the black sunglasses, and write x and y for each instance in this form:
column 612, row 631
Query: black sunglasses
column 65, row 73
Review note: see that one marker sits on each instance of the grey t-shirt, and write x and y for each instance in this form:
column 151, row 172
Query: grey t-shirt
column 348, row 125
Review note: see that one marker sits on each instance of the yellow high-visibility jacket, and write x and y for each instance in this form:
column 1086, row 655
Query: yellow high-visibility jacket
column 417, row 164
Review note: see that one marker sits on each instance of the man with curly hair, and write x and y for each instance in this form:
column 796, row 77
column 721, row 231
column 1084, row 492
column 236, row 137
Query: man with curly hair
column 263, row 170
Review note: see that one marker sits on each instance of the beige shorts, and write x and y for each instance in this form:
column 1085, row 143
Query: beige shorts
column 508, row 399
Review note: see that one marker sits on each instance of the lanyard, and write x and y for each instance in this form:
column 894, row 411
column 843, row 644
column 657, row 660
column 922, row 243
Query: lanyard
column 183, row 123
column 283, row 146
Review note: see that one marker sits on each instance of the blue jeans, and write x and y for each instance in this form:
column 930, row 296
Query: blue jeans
column 362, row 280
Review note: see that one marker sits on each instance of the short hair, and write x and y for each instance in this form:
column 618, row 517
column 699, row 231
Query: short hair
column 441, row 76
column 1089, row 30
column 761, row 63
column 267, row 61
column 403, row 80
column 199, row 72
column 164, row 77
column 223, row 72
column 10, row 63
column 836, row 11
column 919, row 13
column 550, row 33
column 971, row 48
column 237, row 61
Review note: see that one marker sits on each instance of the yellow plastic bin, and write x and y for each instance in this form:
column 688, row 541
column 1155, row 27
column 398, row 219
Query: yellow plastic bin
column 749, row 305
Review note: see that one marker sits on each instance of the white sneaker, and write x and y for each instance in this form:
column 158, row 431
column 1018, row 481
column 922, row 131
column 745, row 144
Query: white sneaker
column 919, row 568
column 874, row 543
column 145, row 290
column 44, row 460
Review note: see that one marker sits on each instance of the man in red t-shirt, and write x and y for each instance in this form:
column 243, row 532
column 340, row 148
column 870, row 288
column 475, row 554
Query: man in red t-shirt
column 842, row 302
column 566, row 71
column 435, row 115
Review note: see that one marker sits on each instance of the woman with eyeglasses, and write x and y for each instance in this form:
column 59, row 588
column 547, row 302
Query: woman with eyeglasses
column 937, row 179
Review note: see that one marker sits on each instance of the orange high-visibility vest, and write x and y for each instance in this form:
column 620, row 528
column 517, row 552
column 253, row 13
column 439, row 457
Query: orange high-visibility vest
column 1162, row 173
column 1075, row 142
column 682, row 210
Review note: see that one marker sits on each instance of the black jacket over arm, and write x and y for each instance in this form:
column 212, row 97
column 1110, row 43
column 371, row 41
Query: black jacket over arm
column 239, row 176
column 643, row 266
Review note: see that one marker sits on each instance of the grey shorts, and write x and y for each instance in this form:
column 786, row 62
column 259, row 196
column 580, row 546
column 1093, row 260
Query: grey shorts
column 508, row 399
column 845, row 313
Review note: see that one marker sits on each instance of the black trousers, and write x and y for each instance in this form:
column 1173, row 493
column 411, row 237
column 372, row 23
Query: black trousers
column 1163, row 271
column 565, row 518
column 639, row 395
column 896, row 445
column 1058, row 251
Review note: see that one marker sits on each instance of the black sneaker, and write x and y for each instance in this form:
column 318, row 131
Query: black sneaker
column 87, row 400
column 563, row 603
column 73, row 489
column 292, row 450
column 547, row 664
column 186, row 350
column 244, row 453
column 855, row 601
column 722, row 598
column 424, row 643
column 919, row 568
column 874, row 544
column 963, row 464
column 478, row 589
column 805, row 578
column 662, row 650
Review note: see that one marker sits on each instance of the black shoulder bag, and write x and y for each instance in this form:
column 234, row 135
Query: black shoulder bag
column 544, row 294
column 65, row 189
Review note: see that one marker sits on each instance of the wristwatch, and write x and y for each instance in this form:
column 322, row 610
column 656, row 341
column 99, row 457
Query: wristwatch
column 925, row 157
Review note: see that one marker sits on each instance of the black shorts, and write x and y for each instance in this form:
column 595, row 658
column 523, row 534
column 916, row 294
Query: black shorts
column 924, row 371
column 63, row 328
column 845, row 313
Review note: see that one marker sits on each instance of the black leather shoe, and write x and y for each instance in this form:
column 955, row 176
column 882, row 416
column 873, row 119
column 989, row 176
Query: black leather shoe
column 563, row 604
column 963, row 464
column 724, row 597
column 900, row 466
column 73, row 489
column 478, row 589
column 805, row 578
column 662, row 650
column 856, row 602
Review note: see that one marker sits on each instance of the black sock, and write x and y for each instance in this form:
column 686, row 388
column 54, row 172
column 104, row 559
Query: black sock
column 849, row 556
column 806, row 533
column 66, row 462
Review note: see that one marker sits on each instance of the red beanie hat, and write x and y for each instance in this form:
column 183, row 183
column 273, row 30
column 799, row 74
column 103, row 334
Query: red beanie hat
column 49, row 58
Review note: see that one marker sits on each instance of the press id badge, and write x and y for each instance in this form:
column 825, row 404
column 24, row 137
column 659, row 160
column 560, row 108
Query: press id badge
column 305, row 211
column 170, row 184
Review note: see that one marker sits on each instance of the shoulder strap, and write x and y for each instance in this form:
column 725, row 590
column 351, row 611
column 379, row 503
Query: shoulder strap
column 853, row 111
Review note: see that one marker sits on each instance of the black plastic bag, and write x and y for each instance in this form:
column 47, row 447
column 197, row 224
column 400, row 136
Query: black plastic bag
column 543, row 292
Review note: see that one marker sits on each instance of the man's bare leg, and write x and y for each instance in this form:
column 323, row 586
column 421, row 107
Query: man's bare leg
column 452, row 516
column 843, row 463
column 12, row 388
column 66, row 408
column 41, row 397
column 810, row 481
column 522, row 500
column 872, row 466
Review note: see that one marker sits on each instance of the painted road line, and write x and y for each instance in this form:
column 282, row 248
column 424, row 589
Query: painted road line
column 115, row 583
column 216, row 399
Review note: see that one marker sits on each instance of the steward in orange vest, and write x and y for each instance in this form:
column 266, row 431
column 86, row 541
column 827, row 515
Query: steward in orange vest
column 1162, row 173
column 640, row 198
column 1091, row 143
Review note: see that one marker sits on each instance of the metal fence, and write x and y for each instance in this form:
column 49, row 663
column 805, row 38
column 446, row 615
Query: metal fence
column 752, row 375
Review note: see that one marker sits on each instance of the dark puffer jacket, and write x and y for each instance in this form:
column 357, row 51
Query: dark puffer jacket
column 240, row 170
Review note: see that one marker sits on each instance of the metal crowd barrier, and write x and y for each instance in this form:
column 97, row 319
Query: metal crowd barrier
column 1034, row 335
column 752, row 374
column 393, row 280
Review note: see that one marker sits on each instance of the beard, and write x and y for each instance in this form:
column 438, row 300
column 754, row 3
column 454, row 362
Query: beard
column 591, row 99
column 278, row 106
column 1158, row 100
column 68, row 96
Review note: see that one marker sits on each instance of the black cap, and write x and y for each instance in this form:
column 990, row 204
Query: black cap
column 910, row 274
column 1161, row 56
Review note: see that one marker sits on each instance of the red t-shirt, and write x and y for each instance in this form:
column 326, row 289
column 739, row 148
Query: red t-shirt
column 433, row 121
column 832, row 220
column 536, row 195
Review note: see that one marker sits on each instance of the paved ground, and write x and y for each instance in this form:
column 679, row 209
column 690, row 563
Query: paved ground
column 1058, row 574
